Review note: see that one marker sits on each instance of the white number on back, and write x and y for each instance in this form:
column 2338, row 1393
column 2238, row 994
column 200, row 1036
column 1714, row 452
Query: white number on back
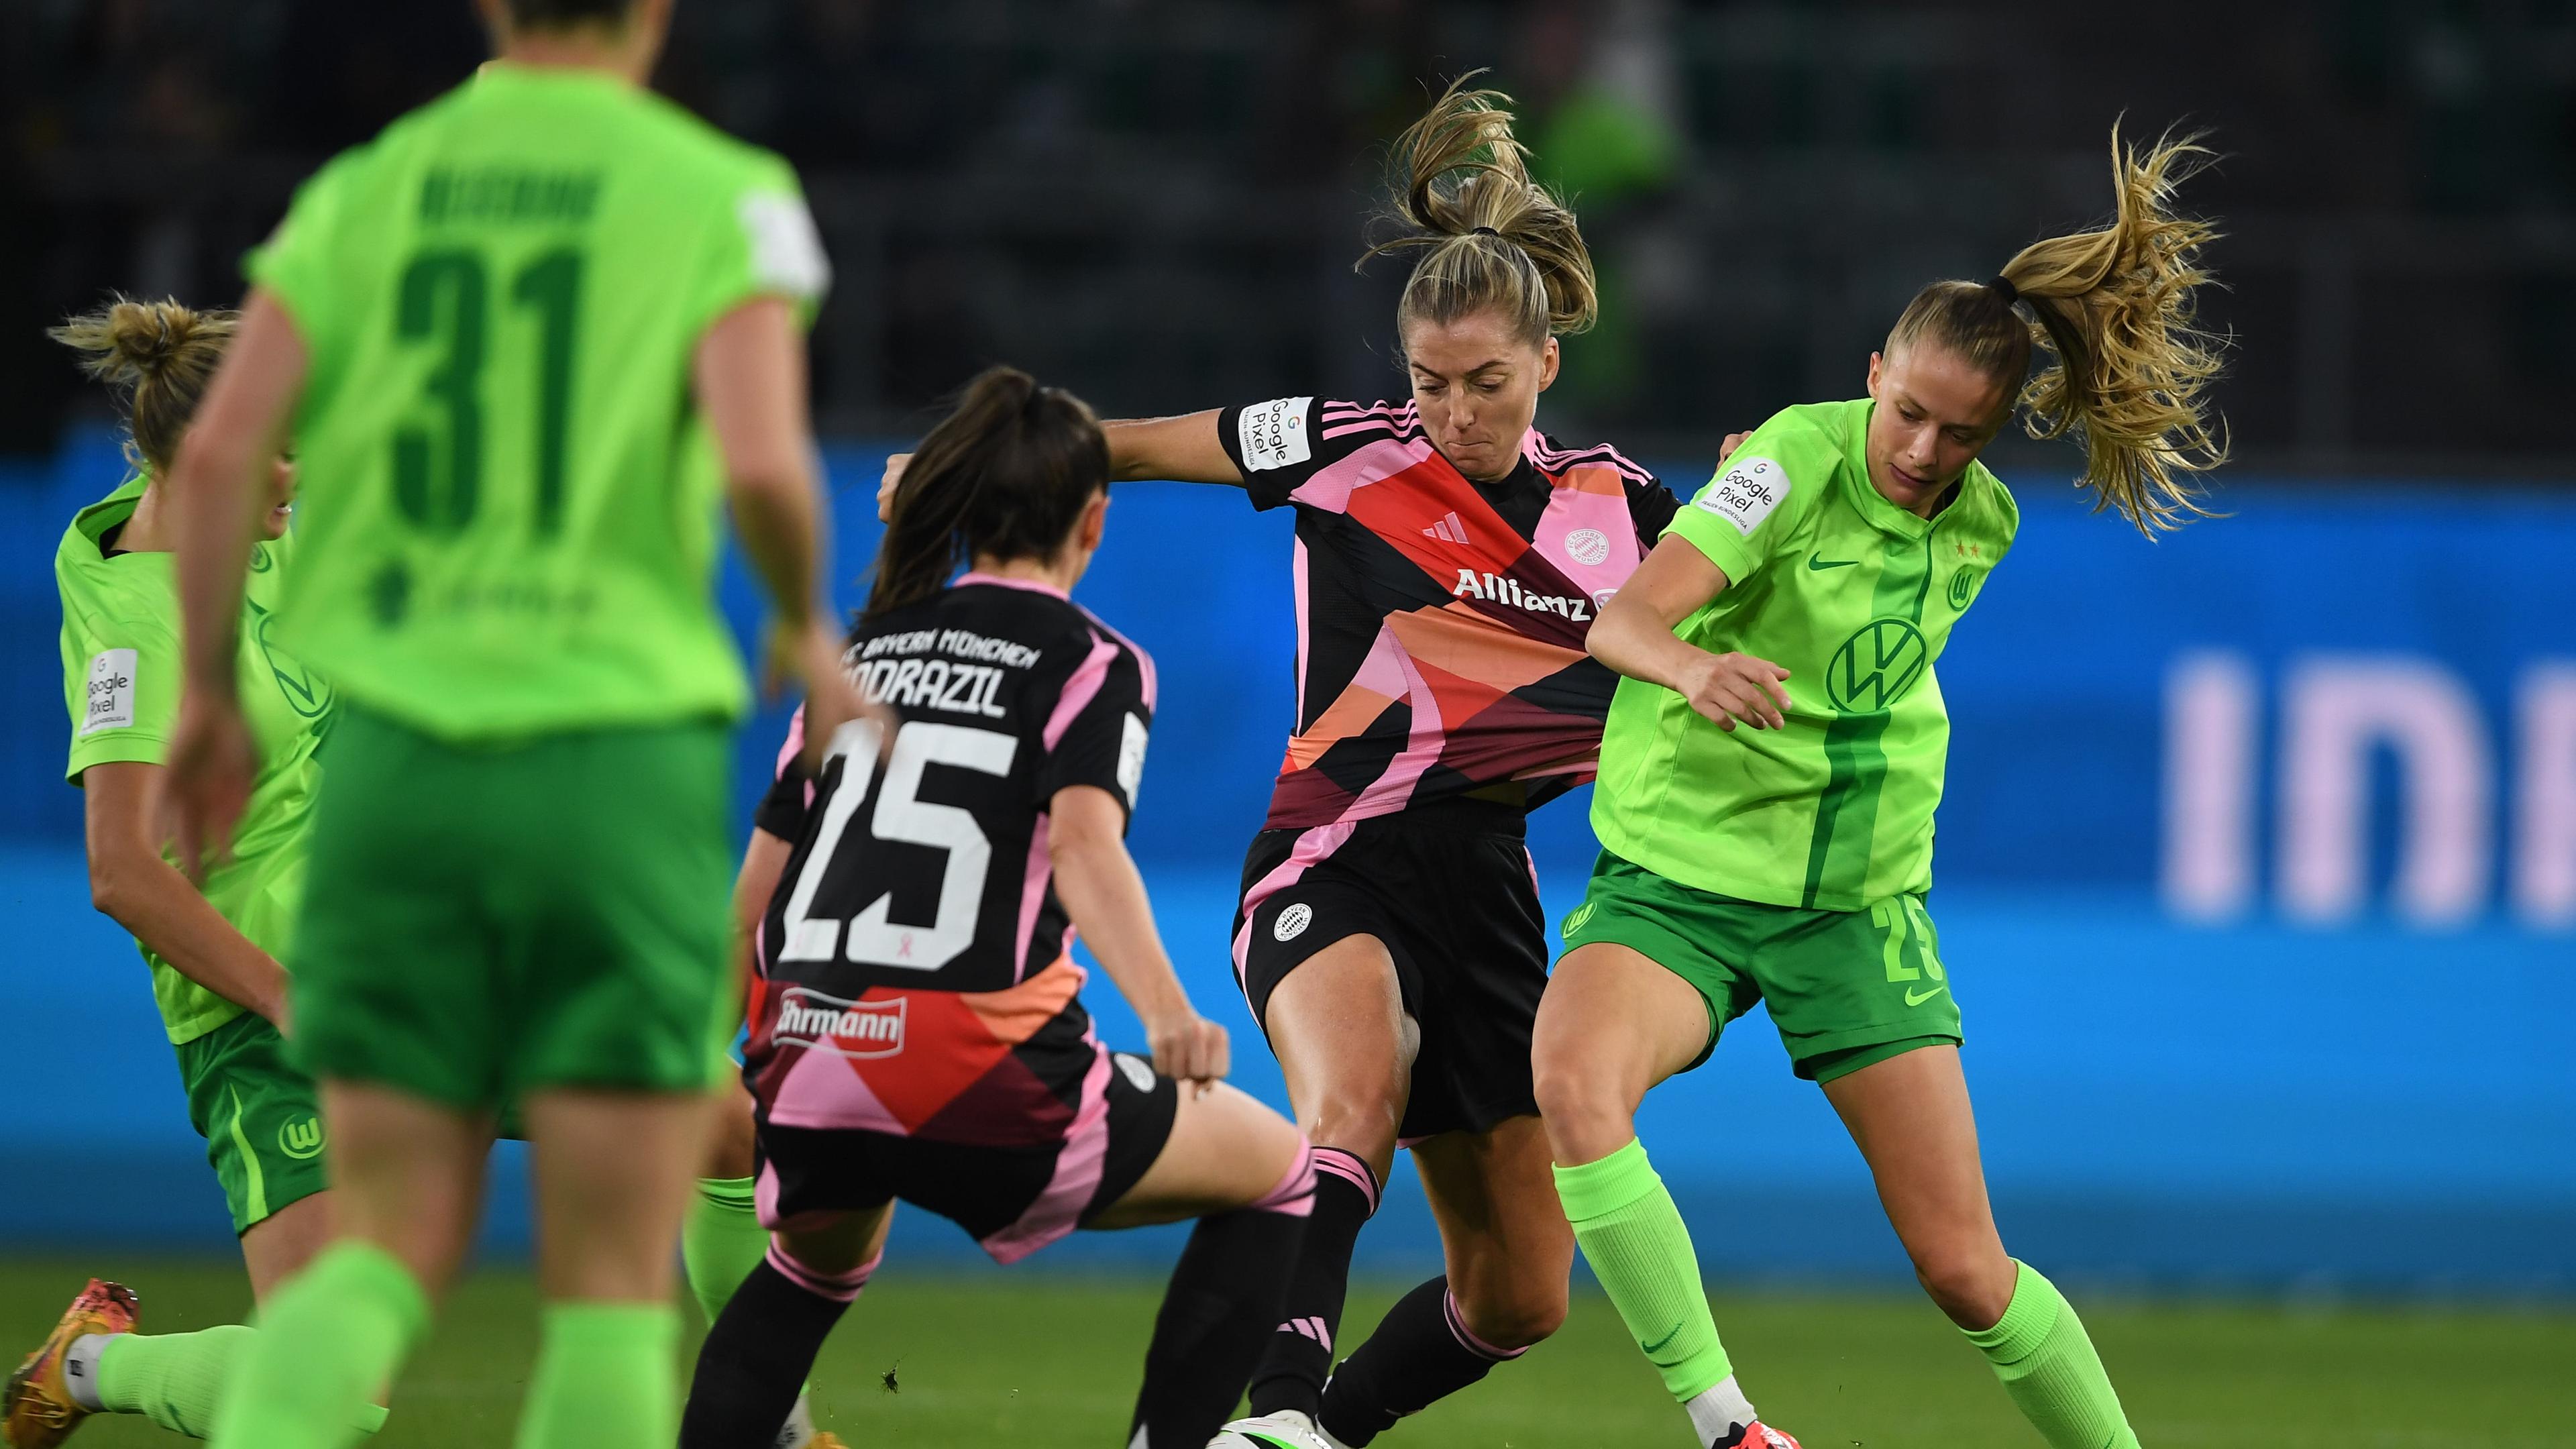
column 901, row 815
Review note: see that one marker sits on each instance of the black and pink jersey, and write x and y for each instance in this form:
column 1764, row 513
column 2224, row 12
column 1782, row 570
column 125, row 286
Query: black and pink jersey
column 1440, row 622
column 915, row 974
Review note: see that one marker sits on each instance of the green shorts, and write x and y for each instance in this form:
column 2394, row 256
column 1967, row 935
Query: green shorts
column 1846, row 988
column 259, row 1115
column 481, row 922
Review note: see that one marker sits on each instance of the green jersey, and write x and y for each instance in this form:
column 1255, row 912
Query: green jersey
column 511, row 508
column 1855, row 598
column 121, row 685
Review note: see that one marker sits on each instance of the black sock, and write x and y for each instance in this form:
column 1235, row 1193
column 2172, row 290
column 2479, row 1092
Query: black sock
column 759, row 1351
column 1420, row 1352
column 1299, row 1355
column 1224, row 1295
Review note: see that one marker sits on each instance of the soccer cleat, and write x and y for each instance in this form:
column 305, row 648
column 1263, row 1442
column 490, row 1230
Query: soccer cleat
column 38, row 1410
column 1286, row 1429
column 825, row 1439
column 1756, row 1435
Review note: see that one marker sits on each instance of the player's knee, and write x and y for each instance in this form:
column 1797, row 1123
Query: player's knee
column 1514, row 1316
column 1587, row 1115
column 1357, row 1116
column 1971, row 1287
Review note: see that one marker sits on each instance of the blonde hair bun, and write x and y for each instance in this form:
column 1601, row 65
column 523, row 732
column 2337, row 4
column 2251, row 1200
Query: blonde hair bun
column 158, row 356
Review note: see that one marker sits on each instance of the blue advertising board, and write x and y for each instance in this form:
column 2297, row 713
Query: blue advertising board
column 2256, row 874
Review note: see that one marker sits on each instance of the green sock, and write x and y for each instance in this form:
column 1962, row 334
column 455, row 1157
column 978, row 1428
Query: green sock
column 327, row 1341
column 606, row 1378
column 2048, row 1367
column 173, row 1379
column 1633, row 1237
column 721, row 1240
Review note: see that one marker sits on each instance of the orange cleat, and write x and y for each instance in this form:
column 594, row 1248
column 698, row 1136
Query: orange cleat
column 38, row 1410
column 1758, row 1435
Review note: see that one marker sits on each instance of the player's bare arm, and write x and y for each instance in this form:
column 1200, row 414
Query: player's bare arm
column 1634, row 636
column 133, row 884
column 1097, row 881
column 750, row 379
column 1182, row 449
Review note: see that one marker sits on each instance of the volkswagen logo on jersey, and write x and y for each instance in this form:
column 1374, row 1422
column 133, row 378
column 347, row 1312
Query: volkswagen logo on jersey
column 1292, row 922
column 857, row 1029
column 1876, row 666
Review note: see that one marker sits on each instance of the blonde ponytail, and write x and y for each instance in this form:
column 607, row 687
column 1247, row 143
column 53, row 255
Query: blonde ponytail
column 1492, row 238
column 158, row 358
column 2131, row 364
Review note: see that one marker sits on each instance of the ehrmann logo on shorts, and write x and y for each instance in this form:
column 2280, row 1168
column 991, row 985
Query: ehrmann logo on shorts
column 859, row 1029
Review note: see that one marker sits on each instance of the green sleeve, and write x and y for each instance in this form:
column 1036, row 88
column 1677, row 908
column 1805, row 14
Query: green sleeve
column 1757, row 497
column 765, row 246
column 122, row 689
column 296, row 263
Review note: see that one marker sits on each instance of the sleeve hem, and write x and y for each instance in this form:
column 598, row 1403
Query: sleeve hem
column 1730, row 554
column 125, row 748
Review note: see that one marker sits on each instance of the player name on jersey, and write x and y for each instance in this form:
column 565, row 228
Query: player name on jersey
column 892, row 672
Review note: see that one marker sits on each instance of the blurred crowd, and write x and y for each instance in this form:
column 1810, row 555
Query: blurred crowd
column 1156, row 198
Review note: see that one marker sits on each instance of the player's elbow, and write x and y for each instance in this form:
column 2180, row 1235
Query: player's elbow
column 114, row 885
column 1086, row 831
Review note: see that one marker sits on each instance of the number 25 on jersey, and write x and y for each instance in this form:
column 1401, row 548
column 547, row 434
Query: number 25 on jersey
column 899, row 816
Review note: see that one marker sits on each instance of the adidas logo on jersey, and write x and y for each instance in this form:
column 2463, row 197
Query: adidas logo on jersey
column 1450, row 529
column 859, row 1029
column 1497, row 589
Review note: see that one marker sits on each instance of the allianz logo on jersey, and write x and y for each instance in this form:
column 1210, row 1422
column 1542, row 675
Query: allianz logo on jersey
column 859, row 1029
column 1507, row 591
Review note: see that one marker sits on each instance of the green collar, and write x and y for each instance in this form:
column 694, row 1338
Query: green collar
column 94, row 521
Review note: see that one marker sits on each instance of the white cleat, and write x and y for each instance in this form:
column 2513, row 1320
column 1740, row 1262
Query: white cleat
column 1286, row 1429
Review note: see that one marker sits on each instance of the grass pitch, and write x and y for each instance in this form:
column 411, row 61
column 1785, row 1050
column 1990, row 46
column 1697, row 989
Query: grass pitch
column 1028, row 1358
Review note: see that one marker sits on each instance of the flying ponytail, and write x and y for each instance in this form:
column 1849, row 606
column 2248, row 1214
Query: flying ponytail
column 157, row 357
column 1492, row 239
column 1007, row 473
column 2130, row 363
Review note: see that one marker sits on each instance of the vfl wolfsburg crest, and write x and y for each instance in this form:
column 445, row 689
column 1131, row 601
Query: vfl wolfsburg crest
column 301, row 1140
column 1876, row 666
column 1963, row 586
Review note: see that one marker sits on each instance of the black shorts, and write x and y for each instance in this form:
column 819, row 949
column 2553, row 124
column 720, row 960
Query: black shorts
column 1012, row 1198
column 1450, row 891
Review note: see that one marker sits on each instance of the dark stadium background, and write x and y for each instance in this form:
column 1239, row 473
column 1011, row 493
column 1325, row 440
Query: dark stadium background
column 2222, row 1038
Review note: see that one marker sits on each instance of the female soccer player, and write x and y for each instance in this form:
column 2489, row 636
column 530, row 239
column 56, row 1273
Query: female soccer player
column 1450, row 559
column 1774, row 755
column 213, row 954
column 502, row 335
column 916, row 1031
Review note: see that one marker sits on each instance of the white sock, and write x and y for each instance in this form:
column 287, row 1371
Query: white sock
column 1719, row 1411
column 80, row 1368
column 798, row 1431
